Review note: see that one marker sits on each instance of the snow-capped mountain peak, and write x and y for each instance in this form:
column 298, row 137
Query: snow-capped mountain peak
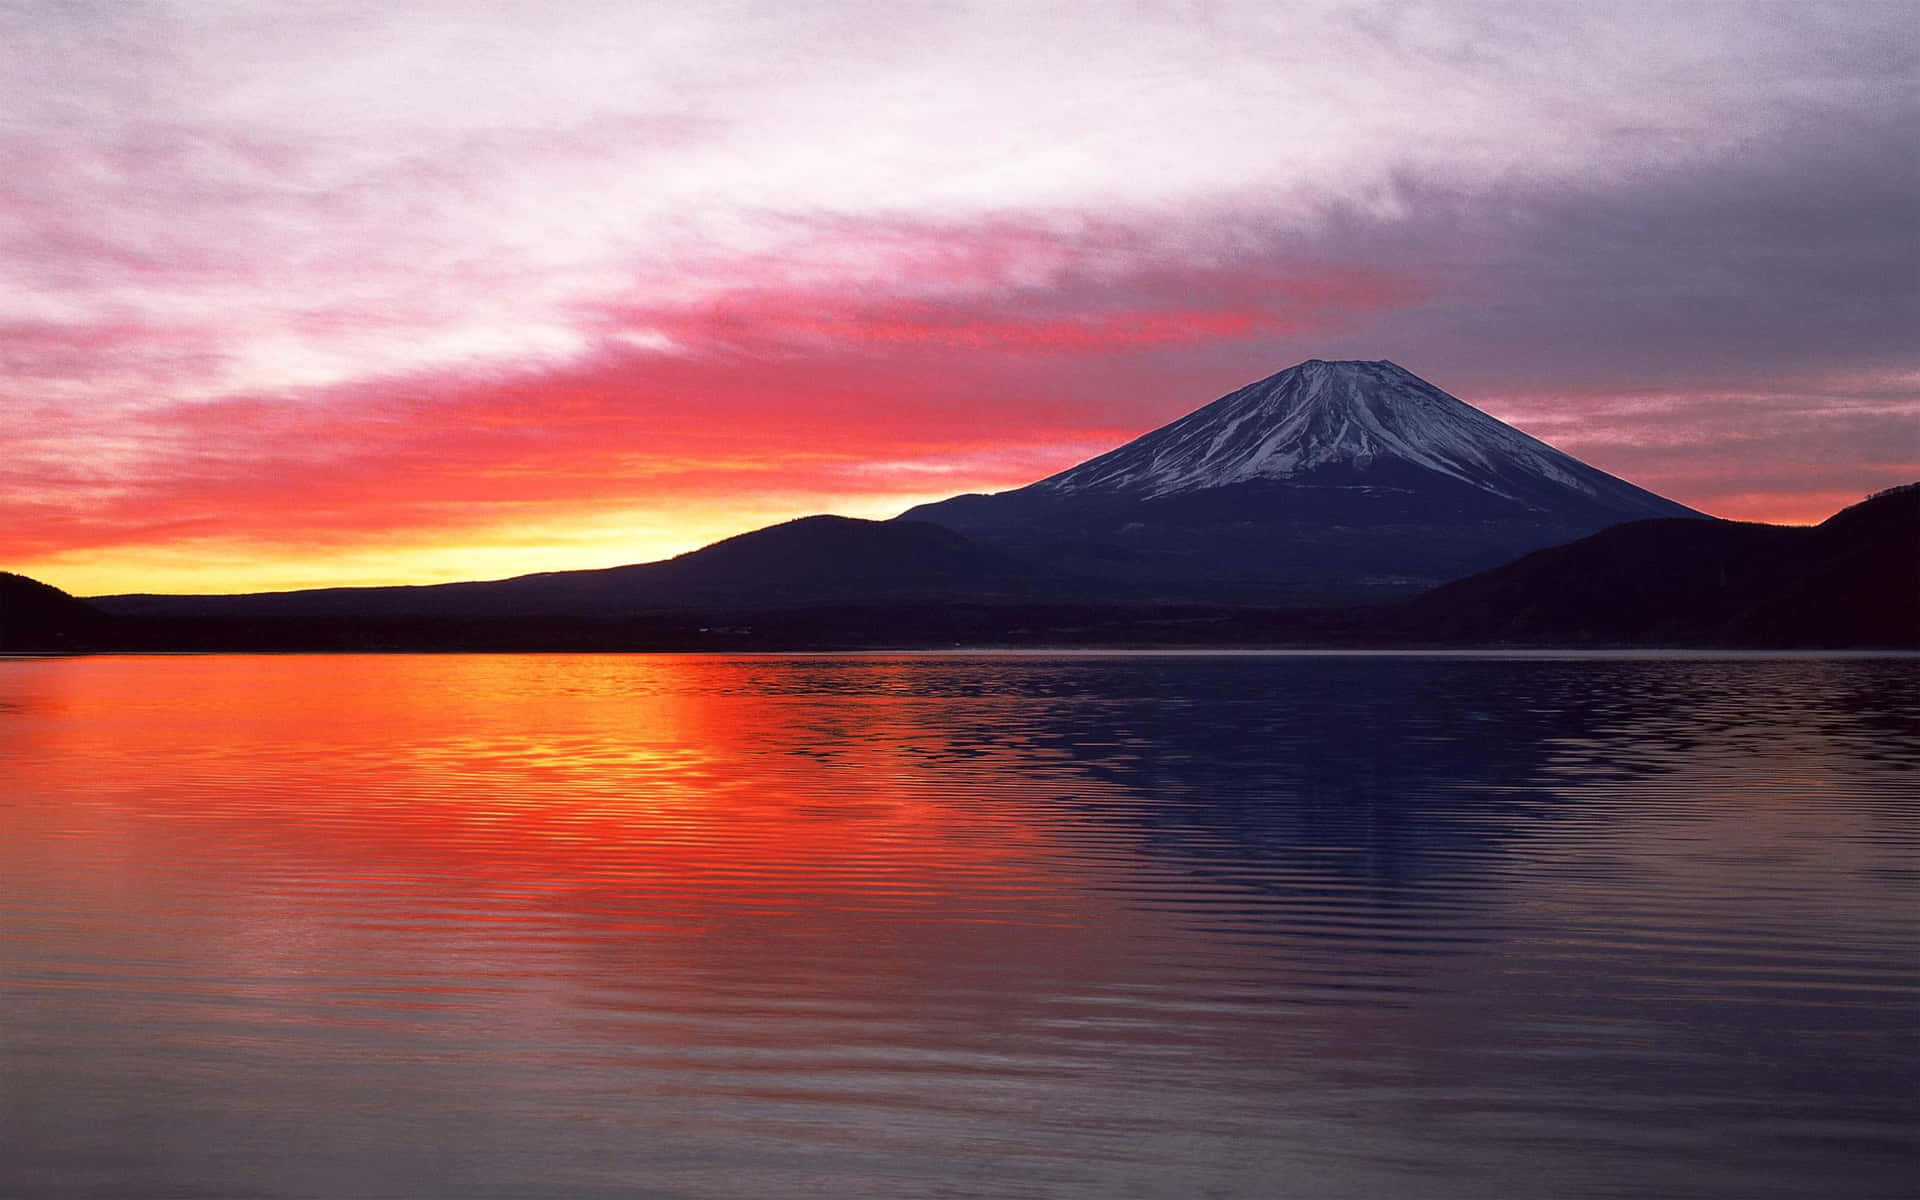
column 1330, row 482
column 1347, row 418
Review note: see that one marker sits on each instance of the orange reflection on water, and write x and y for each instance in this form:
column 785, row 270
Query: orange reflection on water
column 469, row 925
column 685, row 810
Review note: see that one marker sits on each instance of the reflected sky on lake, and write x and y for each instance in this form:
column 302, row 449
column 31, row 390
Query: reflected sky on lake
column 1007, row 925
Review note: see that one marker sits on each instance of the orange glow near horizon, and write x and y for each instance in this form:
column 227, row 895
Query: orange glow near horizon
column 281, row 309
column 486, row 515
column 685, row 424
column 566, row 541
column 563, row 541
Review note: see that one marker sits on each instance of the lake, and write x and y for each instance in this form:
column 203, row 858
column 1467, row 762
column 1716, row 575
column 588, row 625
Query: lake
column 1126, row 925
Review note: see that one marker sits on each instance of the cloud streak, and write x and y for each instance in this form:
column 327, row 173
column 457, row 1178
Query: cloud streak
column 410, row 289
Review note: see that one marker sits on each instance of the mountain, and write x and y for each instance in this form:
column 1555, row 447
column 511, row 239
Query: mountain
column 1329, row 482
column 830, row 582
column 812, row 561
column 1851, row 581
column 36, row 616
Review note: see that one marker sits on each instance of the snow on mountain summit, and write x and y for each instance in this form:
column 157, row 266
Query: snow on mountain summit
column 1327, row 483
column 1347, row 418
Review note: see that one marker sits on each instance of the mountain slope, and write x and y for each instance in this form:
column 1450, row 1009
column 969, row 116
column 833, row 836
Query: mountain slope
column 1853, row 580
column 811, row 561
column 36, row 616
column 1328, row 482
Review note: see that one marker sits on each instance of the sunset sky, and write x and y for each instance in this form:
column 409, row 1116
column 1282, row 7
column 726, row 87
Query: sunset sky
column 309, row 293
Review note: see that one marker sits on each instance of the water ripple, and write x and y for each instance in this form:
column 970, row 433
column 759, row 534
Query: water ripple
column 1150, row 925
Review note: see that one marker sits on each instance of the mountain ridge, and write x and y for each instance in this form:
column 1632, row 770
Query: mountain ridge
column 1852, row 580
column 806, row 561
column 1329, row 482
column 39, row 616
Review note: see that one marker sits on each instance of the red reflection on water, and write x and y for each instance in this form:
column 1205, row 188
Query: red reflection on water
column 651, row 813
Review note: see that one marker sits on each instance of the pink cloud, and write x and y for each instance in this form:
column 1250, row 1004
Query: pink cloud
column 341, row 277
column 790, row 391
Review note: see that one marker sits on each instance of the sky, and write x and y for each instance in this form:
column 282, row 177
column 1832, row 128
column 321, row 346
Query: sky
column 301, row 294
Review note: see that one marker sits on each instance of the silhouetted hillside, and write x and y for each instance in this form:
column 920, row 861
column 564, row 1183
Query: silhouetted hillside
column 810, row 562
column 35, row 616
column 834, row 583
column 1852, row 581
column 1327, row 484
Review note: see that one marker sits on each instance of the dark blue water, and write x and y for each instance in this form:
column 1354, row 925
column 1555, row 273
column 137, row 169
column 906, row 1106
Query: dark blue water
column 955, row 926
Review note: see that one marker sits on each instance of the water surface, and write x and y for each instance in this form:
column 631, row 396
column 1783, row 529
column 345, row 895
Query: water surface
column 950, row 926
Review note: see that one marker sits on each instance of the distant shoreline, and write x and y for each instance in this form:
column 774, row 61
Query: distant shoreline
column 1488, row 652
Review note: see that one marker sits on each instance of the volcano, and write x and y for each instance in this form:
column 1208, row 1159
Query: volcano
column 1327, row 483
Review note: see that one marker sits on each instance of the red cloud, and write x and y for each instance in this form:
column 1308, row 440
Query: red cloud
column 994, row 358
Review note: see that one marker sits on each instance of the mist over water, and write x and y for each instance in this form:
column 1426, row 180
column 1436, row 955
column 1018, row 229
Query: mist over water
column 949, row 926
